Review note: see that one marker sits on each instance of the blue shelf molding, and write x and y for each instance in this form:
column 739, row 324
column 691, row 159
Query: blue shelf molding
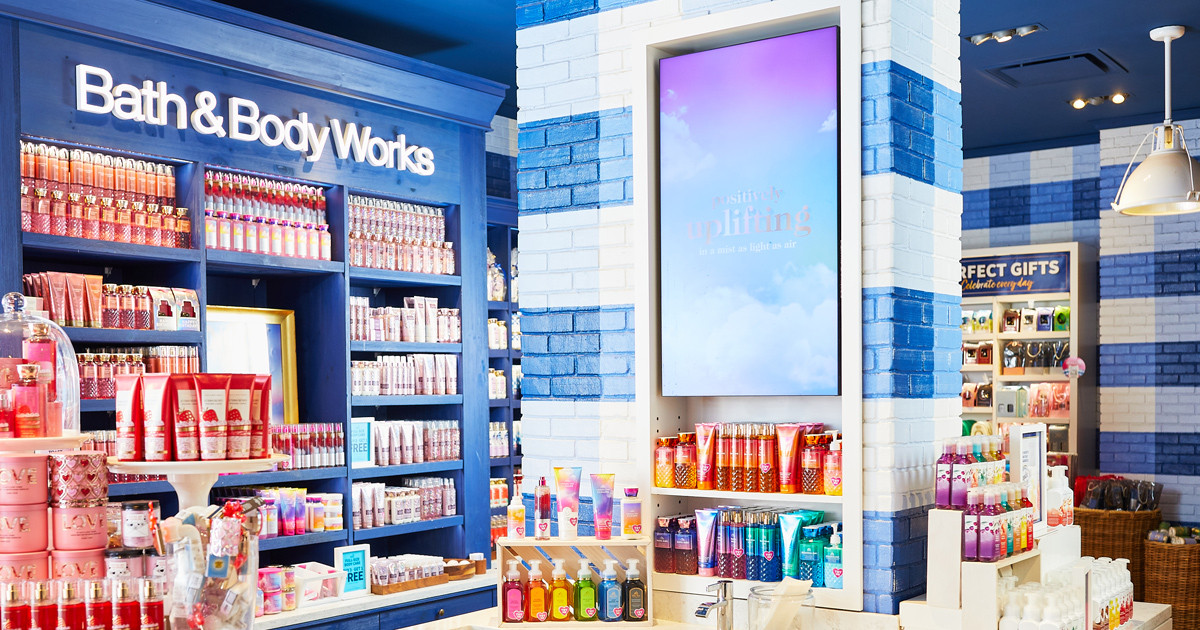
column 379, row 472
column 193, row 46
column 405, row 346
column 387, row 531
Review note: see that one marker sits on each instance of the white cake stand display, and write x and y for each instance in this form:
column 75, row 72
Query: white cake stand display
column 28, row 445
column 193, row 480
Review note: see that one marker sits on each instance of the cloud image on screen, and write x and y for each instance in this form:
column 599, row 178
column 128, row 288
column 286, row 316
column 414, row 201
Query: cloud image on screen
column 748, row 232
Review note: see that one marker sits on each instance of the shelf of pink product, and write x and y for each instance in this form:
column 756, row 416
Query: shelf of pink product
column 767, row 497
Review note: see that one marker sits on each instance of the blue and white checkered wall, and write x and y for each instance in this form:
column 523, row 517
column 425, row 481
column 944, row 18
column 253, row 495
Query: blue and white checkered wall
column 574, row 76
column 1149, row 287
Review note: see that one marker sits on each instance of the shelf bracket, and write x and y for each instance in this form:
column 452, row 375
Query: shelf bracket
column 254, row 282
column 375, row 291
column 108, row 271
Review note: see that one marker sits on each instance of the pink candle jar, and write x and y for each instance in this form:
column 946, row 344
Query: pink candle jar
column 270, row 579
column 124, row 563
column 79, row 528
column 23, row 528
column 15, row 567
column 78, row 479
column 22, row 479
column 84, row 564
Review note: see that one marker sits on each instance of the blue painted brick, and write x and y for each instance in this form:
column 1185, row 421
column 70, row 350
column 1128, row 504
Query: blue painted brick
column 542, row 158
column 548, row 365
column 531, row 180
column 611, row 148
column 603, row 364
column 534, row 344
column 616, row 341
column 573, row 174
column 585, row 152
column 611, row 191
column 585, row 195
column 559, row 9
column 582, row 386
column 599, row 320
column 616, row 168
column 530, row 15
column 616, row 122
column 574, row 343
column 531, row 139
column 617, row 386
column 878, row 580
column 542, row 199
column 532, row 386
column 571, row 133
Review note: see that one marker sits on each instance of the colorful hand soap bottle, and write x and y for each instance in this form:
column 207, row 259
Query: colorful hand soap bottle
column 634, row 594
column 610, row 594
column 560, row 594
column 514, row 594
column 537, row 596
column 585, row 596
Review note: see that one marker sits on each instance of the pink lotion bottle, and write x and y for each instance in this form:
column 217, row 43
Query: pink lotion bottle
column 945, row 465
column 971, row 524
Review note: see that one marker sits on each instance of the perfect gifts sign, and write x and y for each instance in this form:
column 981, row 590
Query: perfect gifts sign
column 1016, row 274
column 748, row 172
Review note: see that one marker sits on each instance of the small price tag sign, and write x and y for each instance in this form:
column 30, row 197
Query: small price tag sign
column 354, row 560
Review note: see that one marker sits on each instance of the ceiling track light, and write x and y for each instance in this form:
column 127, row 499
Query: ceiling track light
column 1005, row 35
column 1081, row 102
column 1168, row 180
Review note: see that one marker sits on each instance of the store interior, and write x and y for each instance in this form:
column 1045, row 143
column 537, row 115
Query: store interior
column 897, row 336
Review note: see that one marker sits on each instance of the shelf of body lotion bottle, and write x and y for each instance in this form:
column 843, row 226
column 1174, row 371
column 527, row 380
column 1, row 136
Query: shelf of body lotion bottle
column 405, row 346
column 385, row 531
column 247, row 263
column 75, row 248
column 771, row 497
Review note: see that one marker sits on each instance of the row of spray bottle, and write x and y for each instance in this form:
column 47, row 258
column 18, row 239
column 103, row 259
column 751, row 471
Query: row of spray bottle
column 534, row 601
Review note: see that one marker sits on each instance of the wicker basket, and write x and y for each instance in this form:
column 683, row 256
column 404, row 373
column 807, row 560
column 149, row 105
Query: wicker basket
column 1116, row 534
column 1173, row 577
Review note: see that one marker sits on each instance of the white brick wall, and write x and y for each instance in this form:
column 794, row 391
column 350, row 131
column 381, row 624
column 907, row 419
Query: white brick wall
column 899, row 438
column 597, row 435
column 910, row 235
column 1130, row 320
column 502, row 138
column 1127, row 409
column 577, row 258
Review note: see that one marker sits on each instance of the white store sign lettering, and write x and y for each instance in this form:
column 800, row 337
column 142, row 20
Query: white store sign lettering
column 152, row 104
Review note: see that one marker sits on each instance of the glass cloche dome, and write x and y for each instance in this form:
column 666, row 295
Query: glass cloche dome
column 39, row 378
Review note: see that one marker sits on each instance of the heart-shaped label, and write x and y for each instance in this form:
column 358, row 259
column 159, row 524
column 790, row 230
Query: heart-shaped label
column 769, row 555
column 705, row 469
column 737, row 553
column 637, row 529
column 617, row 611
column 837, row 573
column 765, row 468
column 639, row 612
column 520, row 530
column 573, row 521
column 589, row 612
column 564, row 610
column 541, row 616
column 543, row 526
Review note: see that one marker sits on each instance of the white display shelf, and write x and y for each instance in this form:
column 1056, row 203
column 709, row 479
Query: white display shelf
column 967, row 367
column 1036, row 335
column 772, row 498
column 1032, row 378
column 29, row 445
column 824, row 597
column 194, row 480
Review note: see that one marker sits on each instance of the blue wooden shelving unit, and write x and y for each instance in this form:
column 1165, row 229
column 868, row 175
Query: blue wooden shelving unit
column 192, row 46
column 502, row 238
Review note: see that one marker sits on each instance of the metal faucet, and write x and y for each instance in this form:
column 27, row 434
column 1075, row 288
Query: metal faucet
column 723, row 607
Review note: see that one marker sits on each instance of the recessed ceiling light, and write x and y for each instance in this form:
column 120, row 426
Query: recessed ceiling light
column 979, row 39
column 1004, row 36
column 1079, row 103
column 1117, row 98
column 1028, row 29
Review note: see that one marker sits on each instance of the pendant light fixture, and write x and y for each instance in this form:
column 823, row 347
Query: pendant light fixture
column 1168, row 180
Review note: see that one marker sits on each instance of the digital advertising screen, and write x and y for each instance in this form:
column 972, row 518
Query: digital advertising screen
column 748, row 223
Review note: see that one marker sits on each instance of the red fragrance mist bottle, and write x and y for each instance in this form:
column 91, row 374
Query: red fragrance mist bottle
column 151, row 606
column 71, row 613
column 97, row 606
column 126, row 611
column 44, row 606
column 14, row 609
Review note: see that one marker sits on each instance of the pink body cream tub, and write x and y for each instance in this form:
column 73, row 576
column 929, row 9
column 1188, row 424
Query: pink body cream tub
column 79, row 528
column 84, row 564
column 23, row 528
column 15, row 567
column 22, row 479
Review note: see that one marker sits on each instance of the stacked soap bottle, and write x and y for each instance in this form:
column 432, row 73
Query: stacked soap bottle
column 585, row 600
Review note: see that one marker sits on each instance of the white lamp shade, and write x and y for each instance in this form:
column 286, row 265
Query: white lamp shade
column 1165, row 183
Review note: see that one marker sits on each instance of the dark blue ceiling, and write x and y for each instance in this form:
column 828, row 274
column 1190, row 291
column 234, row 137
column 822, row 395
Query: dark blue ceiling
column 479, row 37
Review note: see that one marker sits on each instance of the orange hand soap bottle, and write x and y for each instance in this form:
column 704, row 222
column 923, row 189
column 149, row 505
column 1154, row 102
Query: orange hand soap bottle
column 537, row 596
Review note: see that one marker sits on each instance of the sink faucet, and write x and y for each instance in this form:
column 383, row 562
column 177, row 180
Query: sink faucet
column 722, row 608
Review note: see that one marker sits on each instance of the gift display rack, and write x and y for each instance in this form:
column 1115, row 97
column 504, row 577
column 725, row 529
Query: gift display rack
column 1072, row 431
column 283, row 70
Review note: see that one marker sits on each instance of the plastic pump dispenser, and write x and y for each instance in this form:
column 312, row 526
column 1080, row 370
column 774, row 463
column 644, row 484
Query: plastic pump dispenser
column 1031, row 616
column 585, row 596
column 514, row 594
column 537, row 595
column 610, row 594
column 1012, row 613
column 1051, row 616
column 560, row 593
column 634, row 593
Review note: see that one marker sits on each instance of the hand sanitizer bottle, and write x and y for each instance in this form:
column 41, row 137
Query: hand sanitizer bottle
column 1012, row 613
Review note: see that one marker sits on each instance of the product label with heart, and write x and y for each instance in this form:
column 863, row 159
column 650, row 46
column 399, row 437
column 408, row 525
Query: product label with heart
column 837, row 573
column 769, row 555
column 637, row 529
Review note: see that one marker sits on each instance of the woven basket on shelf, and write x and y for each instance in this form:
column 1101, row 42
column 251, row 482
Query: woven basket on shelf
column 1173, row 577
column 1116, row 534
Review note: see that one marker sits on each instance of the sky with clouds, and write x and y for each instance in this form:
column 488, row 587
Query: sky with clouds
column 750, row 128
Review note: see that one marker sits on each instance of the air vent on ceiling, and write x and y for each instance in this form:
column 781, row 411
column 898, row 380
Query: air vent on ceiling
column 1056, row 69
